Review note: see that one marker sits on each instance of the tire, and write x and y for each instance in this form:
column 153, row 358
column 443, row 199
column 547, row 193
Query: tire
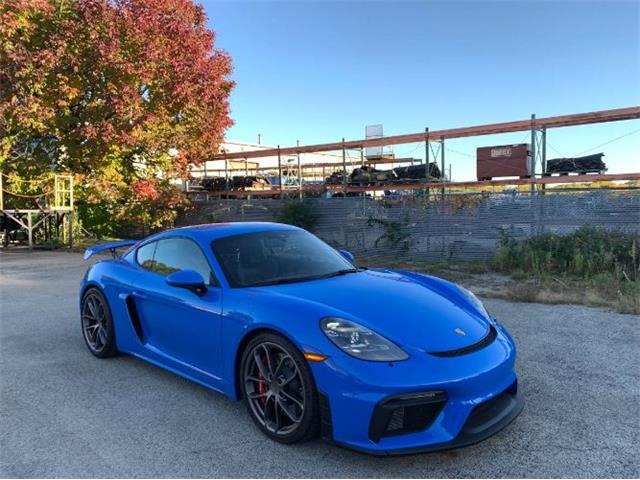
column 97, row 324
column 289, row 417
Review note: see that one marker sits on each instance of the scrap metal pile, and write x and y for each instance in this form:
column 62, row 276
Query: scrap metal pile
column 365, row 175
column 587, row 164
column 240, row 182
column 368, row 175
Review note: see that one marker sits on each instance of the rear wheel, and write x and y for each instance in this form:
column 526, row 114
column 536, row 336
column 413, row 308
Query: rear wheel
column 278, row 389
column 97, row 324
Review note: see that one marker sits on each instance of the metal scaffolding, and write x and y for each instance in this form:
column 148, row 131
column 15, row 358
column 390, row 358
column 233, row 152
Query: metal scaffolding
column 434, row 141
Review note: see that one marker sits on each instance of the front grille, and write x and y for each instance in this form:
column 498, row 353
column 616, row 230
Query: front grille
column 485, row 341
column 405, row 414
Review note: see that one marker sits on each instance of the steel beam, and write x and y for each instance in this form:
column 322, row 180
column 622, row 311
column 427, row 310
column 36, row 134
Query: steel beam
column 601, row 116
column 422, row 184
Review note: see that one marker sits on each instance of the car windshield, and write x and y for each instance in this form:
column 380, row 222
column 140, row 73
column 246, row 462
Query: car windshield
column 277, row 257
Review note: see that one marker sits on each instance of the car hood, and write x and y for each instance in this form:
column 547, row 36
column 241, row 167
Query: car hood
column 412, row 310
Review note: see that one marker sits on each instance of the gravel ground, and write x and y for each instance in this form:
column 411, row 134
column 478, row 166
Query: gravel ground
column 64, row 413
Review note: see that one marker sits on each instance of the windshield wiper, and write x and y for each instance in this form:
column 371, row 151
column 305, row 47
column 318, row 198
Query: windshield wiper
column 283, row 281
column 340, row 272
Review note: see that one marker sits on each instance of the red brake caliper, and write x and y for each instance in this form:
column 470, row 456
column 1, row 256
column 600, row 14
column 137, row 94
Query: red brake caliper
column 262, row 387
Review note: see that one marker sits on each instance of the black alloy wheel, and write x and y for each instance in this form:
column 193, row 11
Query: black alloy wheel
column 97, row 324
column 278, row 389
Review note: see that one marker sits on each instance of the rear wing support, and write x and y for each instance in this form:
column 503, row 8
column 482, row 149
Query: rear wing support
column 111, row 246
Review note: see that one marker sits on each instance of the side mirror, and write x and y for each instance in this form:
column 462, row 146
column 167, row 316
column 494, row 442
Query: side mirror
column 187, row 279
column 347, row 254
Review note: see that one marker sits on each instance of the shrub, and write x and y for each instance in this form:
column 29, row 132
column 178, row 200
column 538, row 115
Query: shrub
column 299, row 213
column 586, row 252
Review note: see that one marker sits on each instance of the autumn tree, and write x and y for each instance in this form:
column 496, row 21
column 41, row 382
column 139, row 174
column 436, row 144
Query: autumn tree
column 124, row 93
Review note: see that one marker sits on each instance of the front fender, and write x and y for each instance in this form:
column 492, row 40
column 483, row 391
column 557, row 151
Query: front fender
column 247, row 312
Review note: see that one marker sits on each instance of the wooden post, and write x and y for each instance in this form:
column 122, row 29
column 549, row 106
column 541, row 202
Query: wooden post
column 71, row 192
column 70, row 223
column 30, row 230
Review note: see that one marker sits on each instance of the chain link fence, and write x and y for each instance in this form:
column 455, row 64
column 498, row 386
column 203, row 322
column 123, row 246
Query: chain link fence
column 462, row 227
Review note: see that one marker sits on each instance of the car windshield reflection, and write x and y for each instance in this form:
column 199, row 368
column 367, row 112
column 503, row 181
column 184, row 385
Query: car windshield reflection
column 277, row 257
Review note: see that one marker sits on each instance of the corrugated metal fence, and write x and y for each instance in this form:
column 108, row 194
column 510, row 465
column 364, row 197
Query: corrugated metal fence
column 462, row 228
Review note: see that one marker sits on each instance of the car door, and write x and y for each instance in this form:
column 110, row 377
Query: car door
column 178, row 325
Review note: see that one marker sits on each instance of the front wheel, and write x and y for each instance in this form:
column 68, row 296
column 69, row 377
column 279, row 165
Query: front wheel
column 279, row 390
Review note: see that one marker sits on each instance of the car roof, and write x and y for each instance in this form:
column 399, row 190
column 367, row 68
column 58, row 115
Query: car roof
column 212, row 231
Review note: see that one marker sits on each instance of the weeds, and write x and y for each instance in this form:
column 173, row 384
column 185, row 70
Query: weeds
column 395, row 235
column 587, row 252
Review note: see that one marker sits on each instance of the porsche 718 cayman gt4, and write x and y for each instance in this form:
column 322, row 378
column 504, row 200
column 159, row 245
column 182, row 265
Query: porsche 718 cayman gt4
column 377, row 360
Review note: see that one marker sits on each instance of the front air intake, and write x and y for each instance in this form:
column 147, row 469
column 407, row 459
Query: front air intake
column 405, row 414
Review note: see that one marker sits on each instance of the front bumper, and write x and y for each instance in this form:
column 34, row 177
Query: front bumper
column 473, row 397
column 477, row 428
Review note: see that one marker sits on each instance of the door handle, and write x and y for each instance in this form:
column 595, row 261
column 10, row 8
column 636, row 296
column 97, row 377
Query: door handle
column 140, row 295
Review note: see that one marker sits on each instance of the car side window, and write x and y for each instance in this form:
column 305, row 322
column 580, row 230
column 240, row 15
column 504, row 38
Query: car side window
column 144, row 255
column 173, row 254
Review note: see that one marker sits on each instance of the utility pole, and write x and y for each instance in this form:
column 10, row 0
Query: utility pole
column 426, row 153
column 259, row 137
column 544, row 155
column 299, row 172
column 442, row 169
column 344, row 169
column 279, row 171
column 533, row 152
column 226, row 173
column 427, row 169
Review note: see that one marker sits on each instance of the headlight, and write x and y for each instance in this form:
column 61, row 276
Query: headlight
column 475, row 301
column 360, row 342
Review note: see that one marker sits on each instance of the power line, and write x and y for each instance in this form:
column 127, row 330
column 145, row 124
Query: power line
column 555, row 149
column 464, row 154
column 610, row 141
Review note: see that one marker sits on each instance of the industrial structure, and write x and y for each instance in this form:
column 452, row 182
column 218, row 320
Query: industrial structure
column 289, row 162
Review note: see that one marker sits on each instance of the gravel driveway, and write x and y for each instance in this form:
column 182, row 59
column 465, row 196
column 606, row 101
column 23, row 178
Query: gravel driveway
column 64, row 413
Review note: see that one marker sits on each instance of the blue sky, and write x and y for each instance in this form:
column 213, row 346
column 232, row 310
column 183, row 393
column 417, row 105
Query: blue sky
column 318, row 71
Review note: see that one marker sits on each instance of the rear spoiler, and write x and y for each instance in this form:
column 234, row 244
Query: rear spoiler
column 111, row 246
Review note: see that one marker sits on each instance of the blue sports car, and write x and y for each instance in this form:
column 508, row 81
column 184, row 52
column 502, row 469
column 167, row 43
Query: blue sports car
column 381, row 361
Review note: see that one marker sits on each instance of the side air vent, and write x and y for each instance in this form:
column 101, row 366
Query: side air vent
column 485, row 341
column 135, row 319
